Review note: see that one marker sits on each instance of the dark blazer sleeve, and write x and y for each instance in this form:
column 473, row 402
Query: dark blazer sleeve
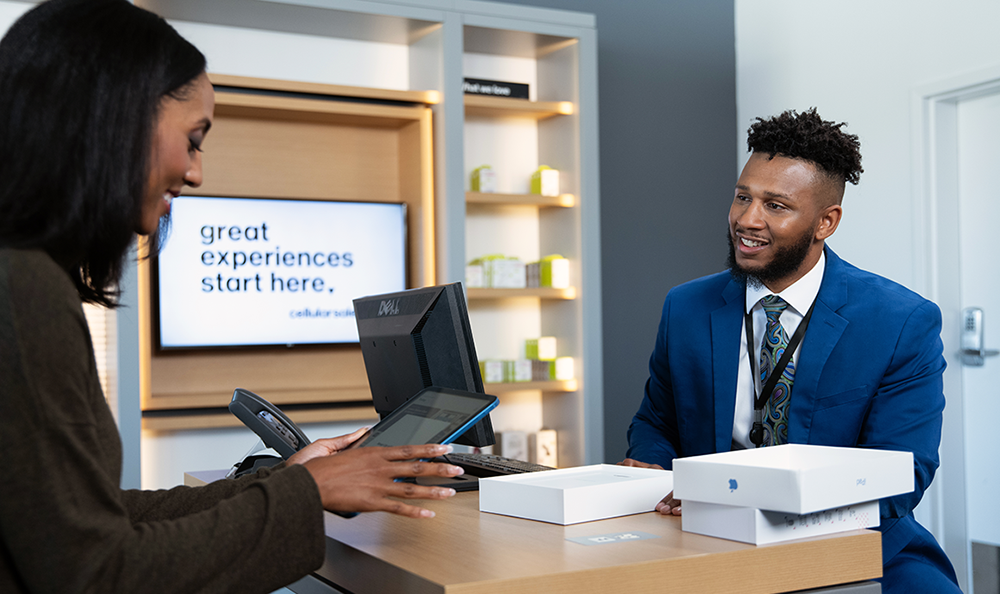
column 66, row 524
column 653, row 435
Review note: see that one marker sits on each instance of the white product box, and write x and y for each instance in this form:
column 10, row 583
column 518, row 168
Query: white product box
column 522, row 370
column 493, row 372
column 565, row 368
column 543, row 348
column 542, row 448
column 754, row 526
column 793, row 478
column 483, row 179
column 574, row 495
column 545, row 181
column 506, row 274
column 474, row 276
column 554, row 273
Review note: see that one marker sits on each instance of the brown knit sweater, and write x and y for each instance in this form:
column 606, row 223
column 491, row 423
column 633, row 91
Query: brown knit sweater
column 65, row 523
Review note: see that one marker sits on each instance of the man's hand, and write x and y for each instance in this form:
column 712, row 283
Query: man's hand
column 667, row 506
column 363, row 479
column 637, row 464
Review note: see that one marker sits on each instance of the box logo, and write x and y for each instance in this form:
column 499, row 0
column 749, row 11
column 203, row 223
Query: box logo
column 732, row 485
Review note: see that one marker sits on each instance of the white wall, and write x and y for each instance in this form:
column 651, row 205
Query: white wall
column 10, row 12
column 858, row 61
column 861, row 62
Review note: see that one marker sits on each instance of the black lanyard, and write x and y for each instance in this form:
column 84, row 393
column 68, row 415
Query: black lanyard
column 757, row 431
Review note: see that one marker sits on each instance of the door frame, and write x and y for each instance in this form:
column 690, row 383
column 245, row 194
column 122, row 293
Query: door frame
column 934, row 130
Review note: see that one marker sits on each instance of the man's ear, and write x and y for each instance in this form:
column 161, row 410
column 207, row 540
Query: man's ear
column 829, row 219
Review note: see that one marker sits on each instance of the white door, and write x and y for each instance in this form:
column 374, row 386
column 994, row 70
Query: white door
column 979, row 204
column 977, row 124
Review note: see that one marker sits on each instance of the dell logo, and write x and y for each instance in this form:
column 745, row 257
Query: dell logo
column 389, row 308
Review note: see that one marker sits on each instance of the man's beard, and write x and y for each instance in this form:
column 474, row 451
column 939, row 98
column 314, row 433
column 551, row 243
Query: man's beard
column 784, row 263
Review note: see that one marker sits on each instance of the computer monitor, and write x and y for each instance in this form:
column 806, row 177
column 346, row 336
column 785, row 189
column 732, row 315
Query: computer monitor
column 419, row 338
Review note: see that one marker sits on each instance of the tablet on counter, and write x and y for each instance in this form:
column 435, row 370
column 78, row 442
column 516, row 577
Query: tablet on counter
column 432, row 415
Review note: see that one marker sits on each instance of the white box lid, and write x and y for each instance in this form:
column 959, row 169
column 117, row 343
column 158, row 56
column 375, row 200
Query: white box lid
column 794, row 478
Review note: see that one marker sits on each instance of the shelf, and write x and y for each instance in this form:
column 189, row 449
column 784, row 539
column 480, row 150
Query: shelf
column 561, row 201
column 311, row 111
column 552, row 386
column 211, row 420
column 478, row 105
column 287, row 86
column 541, row 292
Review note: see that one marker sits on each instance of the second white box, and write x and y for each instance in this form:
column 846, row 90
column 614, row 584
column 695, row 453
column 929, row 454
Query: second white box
column 575, row 495
column 754, row 526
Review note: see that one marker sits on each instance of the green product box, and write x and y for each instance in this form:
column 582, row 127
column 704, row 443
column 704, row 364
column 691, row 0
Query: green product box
column 543, row 348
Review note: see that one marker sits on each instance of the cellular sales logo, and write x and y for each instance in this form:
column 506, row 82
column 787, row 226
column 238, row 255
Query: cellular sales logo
column 389, row 307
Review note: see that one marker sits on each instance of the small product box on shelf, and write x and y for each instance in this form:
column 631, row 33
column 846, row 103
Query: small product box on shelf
column 554, row 272
column 507, row 273
column 754, row 526
column 543, row 348
column 501, row 272
column 563, row 369
column 513, row 444
column 545, row 181
column 793, row 478
column 575, row 495
column 483, row 180
column 521, row 370
column 551, row 271
column 542, row 371
column 474, row 276
column 492, row 371
column 542, row 448
column 533, row 272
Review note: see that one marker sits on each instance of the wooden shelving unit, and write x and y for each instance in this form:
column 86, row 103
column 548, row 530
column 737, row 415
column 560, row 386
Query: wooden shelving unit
column 495, row 107
column 320, row 100
column 515, row 137
column 286, row 86
column 553, row 386
column 560, row 201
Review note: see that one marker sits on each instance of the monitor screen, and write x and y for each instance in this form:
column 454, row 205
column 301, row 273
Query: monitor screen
column 258, row 272
column 416, row 339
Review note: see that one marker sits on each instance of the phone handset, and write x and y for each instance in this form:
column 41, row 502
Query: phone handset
column 276, row 430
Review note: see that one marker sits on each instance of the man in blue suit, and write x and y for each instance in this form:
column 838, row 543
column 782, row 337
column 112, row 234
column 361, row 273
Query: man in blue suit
column 867, row 372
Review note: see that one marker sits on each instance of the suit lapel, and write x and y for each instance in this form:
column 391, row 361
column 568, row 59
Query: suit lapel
column 824, row 332
column 727, row 323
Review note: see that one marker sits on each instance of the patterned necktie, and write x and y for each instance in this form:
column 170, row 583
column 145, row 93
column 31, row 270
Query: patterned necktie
column 772, row 347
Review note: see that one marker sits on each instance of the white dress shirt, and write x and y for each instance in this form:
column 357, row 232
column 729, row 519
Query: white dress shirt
column 799, row 296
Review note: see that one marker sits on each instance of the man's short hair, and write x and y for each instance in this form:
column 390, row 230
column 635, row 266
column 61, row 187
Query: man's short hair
column 806, row 136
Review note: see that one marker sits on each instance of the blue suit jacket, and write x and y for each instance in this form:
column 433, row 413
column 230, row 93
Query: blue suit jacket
column 868, row 375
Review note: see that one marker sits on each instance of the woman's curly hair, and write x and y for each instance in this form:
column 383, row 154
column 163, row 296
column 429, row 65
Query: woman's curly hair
column 806, row 136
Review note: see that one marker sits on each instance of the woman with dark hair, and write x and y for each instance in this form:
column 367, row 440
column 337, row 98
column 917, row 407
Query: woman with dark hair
column 103, row 109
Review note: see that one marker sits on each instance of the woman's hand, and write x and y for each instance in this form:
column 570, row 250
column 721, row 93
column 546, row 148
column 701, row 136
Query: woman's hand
column 364, row 479
column 325, row 447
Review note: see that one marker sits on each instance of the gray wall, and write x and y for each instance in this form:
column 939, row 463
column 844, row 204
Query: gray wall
column 667, row 85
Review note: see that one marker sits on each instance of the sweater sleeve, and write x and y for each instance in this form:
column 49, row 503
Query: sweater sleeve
column 65, row 523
